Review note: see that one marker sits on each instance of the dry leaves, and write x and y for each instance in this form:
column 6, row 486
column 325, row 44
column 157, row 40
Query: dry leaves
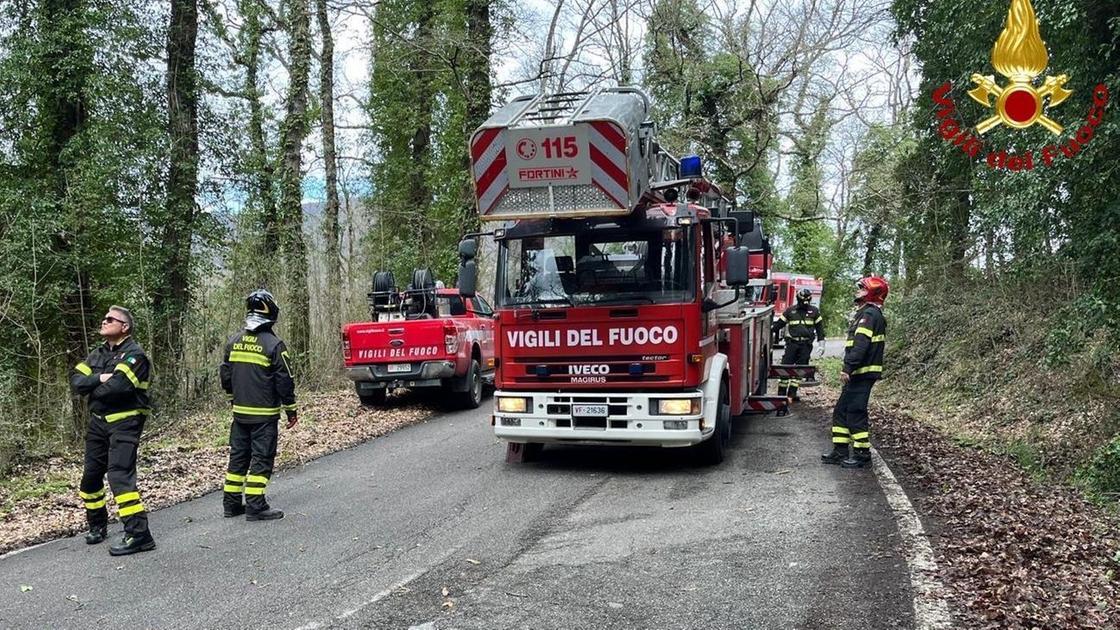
column 1013, row 552
column 171, row 472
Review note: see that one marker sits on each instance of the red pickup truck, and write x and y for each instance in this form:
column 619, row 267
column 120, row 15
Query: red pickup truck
column 423, row 337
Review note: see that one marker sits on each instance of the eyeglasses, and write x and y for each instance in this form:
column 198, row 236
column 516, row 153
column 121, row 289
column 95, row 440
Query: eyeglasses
column 108, row 319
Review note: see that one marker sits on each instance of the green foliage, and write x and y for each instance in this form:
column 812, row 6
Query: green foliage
column 1102, row 474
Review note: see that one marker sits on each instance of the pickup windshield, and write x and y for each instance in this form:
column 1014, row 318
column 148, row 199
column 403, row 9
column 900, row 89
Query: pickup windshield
column 596, row 267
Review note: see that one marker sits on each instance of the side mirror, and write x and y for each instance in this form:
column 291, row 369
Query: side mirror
column 738, row 266
column 746, row 220
column 773, row 296
column 468, row 249
column 468, row 278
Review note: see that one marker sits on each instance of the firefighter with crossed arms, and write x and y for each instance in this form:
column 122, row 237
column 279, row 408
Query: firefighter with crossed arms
column 804, row 322
column 257, row 377
column 115, row 377
column 863, row 366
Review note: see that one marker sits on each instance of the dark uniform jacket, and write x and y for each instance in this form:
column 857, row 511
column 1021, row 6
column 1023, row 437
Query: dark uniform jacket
column 867, row 334
column 125, row 394
column 256, row 375
column 803, row 320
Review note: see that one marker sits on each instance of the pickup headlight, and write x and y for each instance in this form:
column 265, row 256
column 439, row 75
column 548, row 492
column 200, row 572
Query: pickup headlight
column 677, row 406
column 510, row 404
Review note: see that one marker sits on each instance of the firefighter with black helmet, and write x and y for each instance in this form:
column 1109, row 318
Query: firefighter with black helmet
column 863, row 365
column 804, row 323
column 115, row 377
column 257, row 376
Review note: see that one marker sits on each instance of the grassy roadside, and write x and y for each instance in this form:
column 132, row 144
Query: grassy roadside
column 187, row 459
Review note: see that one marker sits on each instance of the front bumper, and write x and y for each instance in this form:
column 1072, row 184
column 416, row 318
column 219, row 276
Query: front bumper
column 630, row 419
column 421, row 374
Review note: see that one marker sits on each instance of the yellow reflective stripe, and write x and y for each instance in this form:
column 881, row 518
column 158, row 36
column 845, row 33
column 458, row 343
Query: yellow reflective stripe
column 256, row 411
column 240, row 356
column 866, row 332
column 127, row 371
column 253, row 490
column 113, row 417
column 83, row 368
column 865, row 370
column 92, row 495
column 841, row 430
column 130, row 510
column 861, row 436
column 841, row 439
column 878, row 338
column 257, row 479
column 291, row 407
column 817, row 320
column 128, row 496
column 95, row 505
column 849, row 343
column 861, row 444
column 231, row 488
column 235, row 477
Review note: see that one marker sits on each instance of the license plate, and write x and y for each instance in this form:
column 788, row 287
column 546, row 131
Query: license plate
column 395, row 368
column 589, row 410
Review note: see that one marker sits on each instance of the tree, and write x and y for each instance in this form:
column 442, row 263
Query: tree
column 330, row 166
column 172, row 297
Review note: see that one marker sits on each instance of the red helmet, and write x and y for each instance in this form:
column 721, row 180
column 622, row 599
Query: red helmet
column 872, row 289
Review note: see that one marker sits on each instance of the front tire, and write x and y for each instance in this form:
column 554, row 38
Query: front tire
column 712, row 451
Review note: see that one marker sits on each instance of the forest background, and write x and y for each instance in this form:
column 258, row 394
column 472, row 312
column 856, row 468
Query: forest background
column 172, row 155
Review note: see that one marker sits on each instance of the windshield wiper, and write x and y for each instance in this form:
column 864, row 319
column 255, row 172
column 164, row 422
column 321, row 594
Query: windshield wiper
column 621, row 298
column 537, row 302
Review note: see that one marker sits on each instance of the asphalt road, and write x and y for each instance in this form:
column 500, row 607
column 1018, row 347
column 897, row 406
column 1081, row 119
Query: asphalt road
column 429, row 528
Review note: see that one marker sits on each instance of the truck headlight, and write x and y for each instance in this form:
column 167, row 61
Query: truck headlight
column 677, row 406
column 510, row 404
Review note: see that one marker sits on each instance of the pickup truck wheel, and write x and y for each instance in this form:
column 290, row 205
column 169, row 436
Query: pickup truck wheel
column 711, row 451
column 472, row 398
column 373, row 397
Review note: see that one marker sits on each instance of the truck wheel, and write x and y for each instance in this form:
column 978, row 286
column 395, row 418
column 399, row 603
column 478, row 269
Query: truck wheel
column 472, row 398
column 711, row 451
column 372, row 397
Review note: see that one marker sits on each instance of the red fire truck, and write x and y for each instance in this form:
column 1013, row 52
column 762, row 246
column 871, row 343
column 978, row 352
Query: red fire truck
column 425, row 336
column 626, row 312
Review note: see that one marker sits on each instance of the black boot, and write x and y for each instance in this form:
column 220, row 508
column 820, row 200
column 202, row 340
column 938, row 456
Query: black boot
column 838, row 455
column 96, row 534
column 133, row 543
column 860, row 457
column 230, row 511
column 267, row 514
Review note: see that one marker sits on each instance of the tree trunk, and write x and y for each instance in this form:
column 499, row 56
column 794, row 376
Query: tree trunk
column 172, row 298
column 259, row 163
column 330, row 165
column 292, row 135
column 65, row 116
column 420, row 193
column 873, row 236
column 480, row 34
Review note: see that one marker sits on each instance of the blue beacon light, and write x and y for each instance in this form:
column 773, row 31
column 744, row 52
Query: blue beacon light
column 691, row 167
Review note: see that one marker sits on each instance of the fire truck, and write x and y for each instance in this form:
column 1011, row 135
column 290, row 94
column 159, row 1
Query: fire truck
column 627, row 312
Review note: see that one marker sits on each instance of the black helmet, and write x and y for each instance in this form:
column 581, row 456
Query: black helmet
column 804, row 296
column 261, row 307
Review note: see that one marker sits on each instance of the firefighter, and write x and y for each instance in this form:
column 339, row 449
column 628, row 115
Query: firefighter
column 115, row 377
column 805, row 323
column 256, row 375
column 863, row 365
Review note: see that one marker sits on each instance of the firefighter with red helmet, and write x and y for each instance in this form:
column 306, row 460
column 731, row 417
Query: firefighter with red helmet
column 863, row 365
column 804, row 323
column 258, row 379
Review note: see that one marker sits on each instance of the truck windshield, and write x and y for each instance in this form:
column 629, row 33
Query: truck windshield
column 651, row 267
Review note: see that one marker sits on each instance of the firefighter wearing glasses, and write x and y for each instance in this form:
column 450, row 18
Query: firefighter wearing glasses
column 863, row 365
column 115, row 377
column 804, row 323
column 255, row 373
